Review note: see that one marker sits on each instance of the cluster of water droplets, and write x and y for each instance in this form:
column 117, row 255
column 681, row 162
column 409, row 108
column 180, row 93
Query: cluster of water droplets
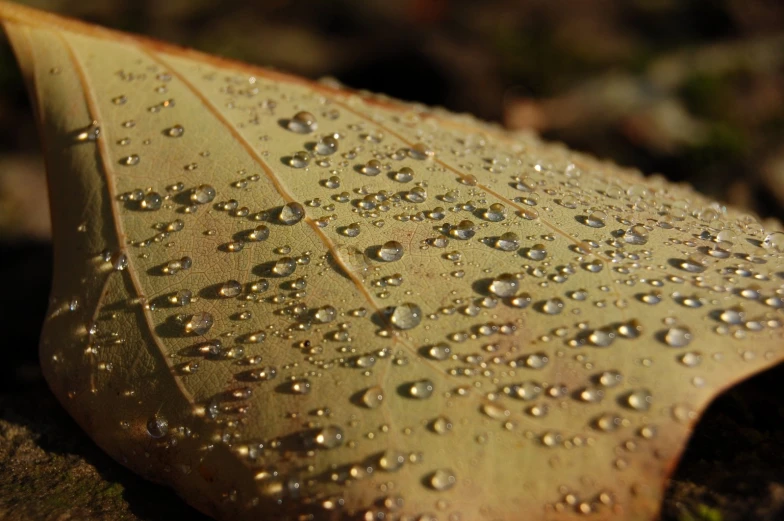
column 374, row 278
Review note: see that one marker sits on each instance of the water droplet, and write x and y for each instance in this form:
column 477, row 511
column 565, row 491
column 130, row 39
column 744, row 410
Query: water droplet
column 131, row 160
column 733, row 316
column 175, row 131
column 291, row 213
column 260, row 233
column 596, row 219
column 405, row 316
column 372, row 397
column 157, row 427
column 441, row 425
column 639, row 399
column 404, row 175
column 679, row 336
column 230, row 288
column 508, row 241
column 552, row 306
column 199, row 323
column 89, row 133
column 120, row 100
column 463, row 231
column 774, row 241
column 391, row 460
column 421, row 389
column 690, row 359
column 151, row 201
column 421, row 151
column 326, row 146
column 637, row 234
column 440, row 351
column 302, row 123
column 371, row 168
column 325, row 314
column 300, row 386
column 537, row 252
column 329, row 437
column 442, row 479
column 299, row 160
column 390, row 251
column 495, row 213
column 202, row 194
column 182, row 297
column 505, row 285
column 284, row 266
column 529, row 390
column 602, row 337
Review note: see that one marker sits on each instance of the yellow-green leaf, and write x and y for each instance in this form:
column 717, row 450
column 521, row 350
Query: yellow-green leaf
column 284, row 299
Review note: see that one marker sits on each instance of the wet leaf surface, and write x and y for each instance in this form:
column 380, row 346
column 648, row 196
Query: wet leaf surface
column 283, row 298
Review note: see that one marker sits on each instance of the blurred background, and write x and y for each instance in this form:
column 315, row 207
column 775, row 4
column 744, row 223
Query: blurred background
column 693, row 89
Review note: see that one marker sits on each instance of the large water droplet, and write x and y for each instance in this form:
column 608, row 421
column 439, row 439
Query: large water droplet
column 390, row 251
column 199, row 323
column 505, row 285
column 203, row 194
column 302, row 123
column 405, row 316
column 291, row 213
column 372, row 397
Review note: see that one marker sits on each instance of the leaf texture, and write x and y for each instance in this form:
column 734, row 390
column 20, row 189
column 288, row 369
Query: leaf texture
column 287, row 300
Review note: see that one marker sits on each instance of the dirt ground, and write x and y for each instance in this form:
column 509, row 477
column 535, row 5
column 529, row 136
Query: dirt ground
column 688, row 88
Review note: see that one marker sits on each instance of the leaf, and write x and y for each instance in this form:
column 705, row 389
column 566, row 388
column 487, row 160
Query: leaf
column 401, row 311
